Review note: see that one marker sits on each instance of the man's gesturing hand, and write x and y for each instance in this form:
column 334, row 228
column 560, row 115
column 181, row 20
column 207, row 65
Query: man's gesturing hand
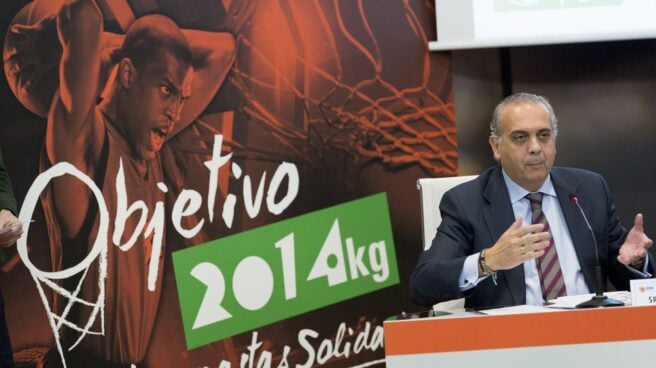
column 517, row 245
column 636, row 244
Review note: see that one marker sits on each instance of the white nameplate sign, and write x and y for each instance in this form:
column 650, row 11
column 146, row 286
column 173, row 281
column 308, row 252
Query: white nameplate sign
column 643, row 292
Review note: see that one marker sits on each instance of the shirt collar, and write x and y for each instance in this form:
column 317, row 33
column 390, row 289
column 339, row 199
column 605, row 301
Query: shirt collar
column 517, row 193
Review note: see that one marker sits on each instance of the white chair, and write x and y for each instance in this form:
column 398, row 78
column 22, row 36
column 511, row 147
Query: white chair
column 431, row 191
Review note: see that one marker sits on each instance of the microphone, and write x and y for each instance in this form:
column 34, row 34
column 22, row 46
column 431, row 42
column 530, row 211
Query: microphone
column 599, row 299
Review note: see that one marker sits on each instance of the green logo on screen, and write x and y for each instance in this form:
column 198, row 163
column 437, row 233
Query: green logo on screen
column 251, row 279
column 513, row 5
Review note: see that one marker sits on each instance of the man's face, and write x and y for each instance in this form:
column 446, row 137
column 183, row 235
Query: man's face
column 155, row 102
column 527, row 149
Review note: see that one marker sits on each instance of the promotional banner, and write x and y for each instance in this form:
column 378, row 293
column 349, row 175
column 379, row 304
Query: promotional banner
column 217, row 183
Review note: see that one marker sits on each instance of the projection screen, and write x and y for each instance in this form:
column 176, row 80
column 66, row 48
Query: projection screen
column 466, row 24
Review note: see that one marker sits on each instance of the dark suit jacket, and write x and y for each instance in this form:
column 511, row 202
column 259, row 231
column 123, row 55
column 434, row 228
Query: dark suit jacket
column 7, row 199
column 475, row 214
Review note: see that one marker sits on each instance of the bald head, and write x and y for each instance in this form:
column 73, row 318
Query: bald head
column 519, row 98
column 151, row 36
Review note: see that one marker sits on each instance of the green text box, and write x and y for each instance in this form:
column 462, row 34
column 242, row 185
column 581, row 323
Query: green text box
column 251, row 279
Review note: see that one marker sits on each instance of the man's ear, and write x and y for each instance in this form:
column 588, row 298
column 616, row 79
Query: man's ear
column 126, row 73
column 495, row 147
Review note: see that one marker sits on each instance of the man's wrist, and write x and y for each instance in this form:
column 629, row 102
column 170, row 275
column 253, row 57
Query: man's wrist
column 484, row 268
column 638, row 264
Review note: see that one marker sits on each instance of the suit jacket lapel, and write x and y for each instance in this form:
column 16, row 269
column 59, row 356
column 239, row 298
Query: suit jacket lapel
column 499, row 216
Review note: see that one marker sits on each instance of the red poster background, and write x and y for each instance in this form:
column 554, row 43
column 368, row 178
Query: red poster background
column 345, row 90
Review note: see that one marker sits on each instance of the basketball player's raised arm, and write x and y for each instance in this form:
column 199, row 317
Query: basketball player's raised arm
column 71, row 118
column 213, row 55
column 72, row 133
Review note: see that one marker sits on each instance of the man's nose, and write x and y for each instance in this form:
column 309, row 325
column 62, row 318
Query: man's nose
column 173, row 110
column 534, row 145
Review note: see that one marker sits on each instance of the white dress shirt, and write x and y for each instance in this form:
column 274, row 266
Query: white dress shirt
column 569, row 262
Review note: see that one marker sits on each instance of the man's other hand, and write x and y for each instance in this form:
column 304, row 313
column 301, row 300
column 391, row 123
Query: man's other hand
column 636, row 244
column 10, row 228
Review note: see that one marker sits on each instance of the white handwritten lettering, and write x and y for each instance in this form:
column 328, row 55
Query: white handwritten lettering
column 328, row 349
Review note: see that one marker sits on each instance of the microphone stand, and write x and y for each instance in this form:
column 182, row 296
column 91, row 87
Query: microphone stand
column 599, row 299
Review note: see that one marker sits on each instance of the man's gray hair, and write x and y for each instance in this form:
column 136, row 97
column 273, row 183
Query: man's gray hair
column 495, row 124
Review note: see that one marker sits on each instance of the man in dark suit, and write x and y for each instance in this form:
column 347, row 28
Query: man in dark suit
column 515, row 236
column 10, row 230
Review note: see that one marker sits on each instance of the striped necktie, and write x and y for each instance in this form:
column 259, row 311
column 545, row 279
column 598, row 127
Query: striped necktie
column 551, row 277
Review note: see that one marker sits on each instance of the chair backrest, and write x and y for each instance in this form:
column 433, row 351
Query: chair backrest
column 431, row 191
